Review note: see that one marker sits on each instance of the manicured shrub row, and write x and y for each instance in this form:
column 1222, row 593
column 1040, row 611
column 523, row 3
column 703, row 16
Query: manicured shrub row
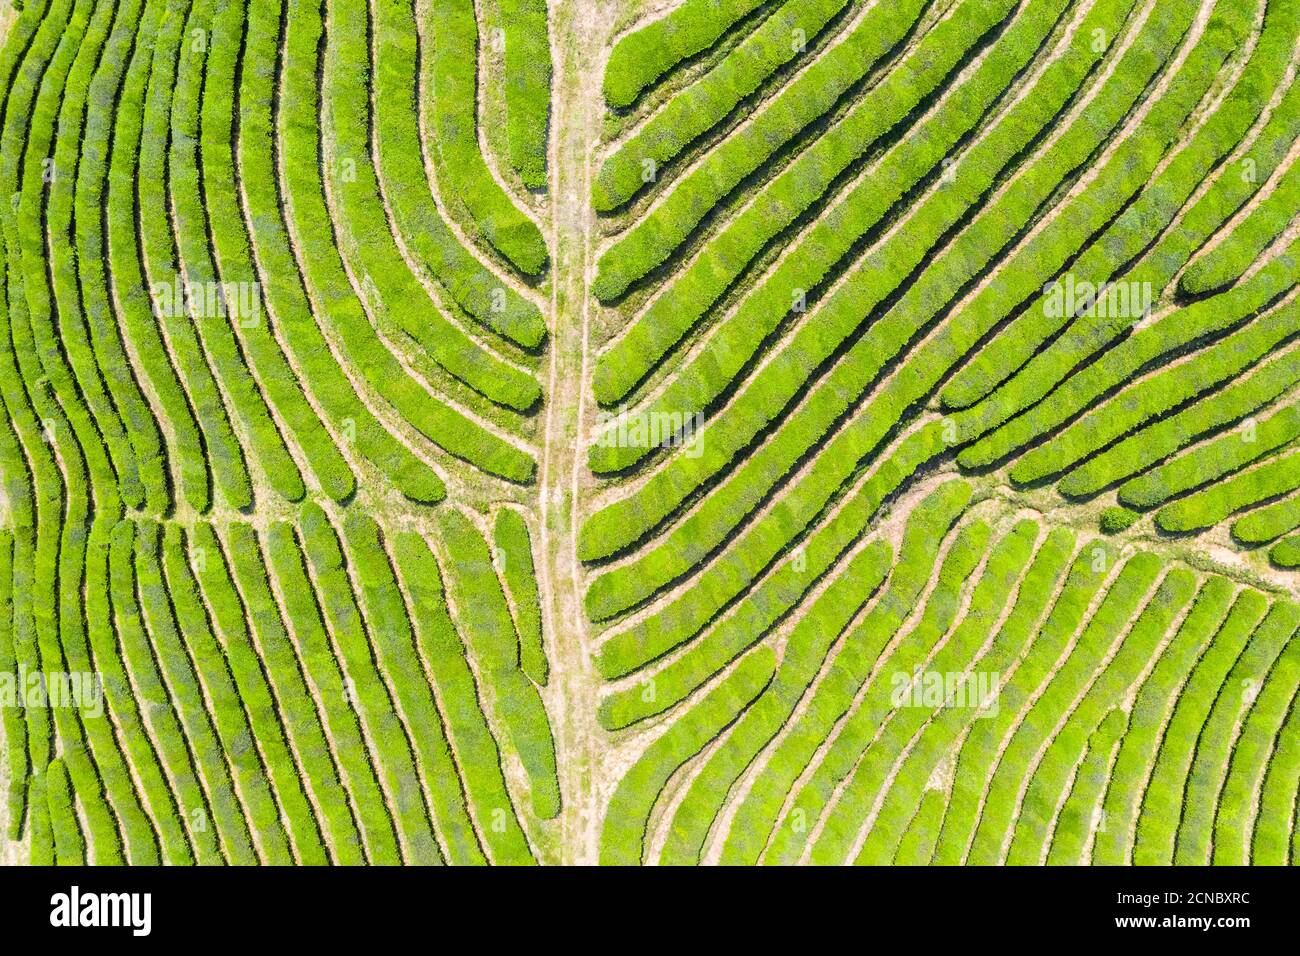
column 147, row 687
column 216, row 210
column 298, row 600
column 263, row 443
column 514, row 558
column 1159, row 394
column 805, row 652
column 744, row 332
column 14, row 730
column 69, row 845
column 1074, row 825
column 35, row 578
column 295, row 702
column 325, row 276
column 1268, row 523
column 1286, row 554
column 483, row 617
column 1206, row 320
column 475, row 747
column 1107, row 692
column 641, row 57
column 394, row 295
column 975, row 762
column 1164, row 438
column 389, row 628
column 367, row 690
column 282, row 284
column 707, row 102
column 1117, row 519
column 1159, row 263
column 1160, row 200
column 1223, row 455
column 60, row 555
column 196, row 724
column 1162, row 800
column 1206, row 508
column 61, row 291
column 1271, row 844
column 1126, row 780
column 452, row 62
column 876, row 704
column 732, row 575
column 947, row 726
column 239, row 743
column 958, row 651
column 1253, row 750
column 1245, row 245
column 927, row 526
column 527, row 79
column 1050, row 702
column 1219, row 733
column 655, row 238
column 482, row 294
column 917, row 844
column 156, row 247
column 622, row 839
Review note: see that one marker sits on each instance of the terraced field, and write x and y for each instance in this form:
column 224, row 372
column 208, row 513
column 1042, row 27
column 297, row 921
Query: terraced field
column 710, row 431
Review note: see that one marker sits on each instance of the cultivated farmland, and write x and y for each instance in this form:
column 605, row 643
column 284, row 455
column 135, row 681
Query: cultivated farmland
column 654, row 431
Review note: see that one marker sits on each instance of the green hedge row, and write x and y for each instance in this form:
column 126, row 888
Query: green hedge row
column 1252, row 752
column 1159, row 260
column 482, row 615
column 1074, row 827
column 346, row 735
column 927, row 526
column 1091, row 723
column 1215, row 459
column 199, row 75
column 69, row 844
column 365, row 240
column 656, row 237
column 1049, row 703
column 283, row 287
column 940, row 735
column 1160, row 393
column 1272, row 843
column 152, row 693
column 749, row 556
column 452, row 64
column 641, row 57
column 622, row 838
column 527, row 80
column 1038, row 656
column 1268, row 523
column 957, row 652
column 806, row 648
column 467, row 727
column 388, row 625
column 298, row 707
column 1126, row 779
column 333, row 295
column 514, row 555
column 1165, row 438
column 1162, row 800
column 1206, row 508
column 1206, row 320
column 876, row 704
column 1220, row 733
column 1245, row 245
column 711, row 99
column 367, row 690
column 1130, row 236
column 487, row 298
column 1286, row 554
column 736, row 341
